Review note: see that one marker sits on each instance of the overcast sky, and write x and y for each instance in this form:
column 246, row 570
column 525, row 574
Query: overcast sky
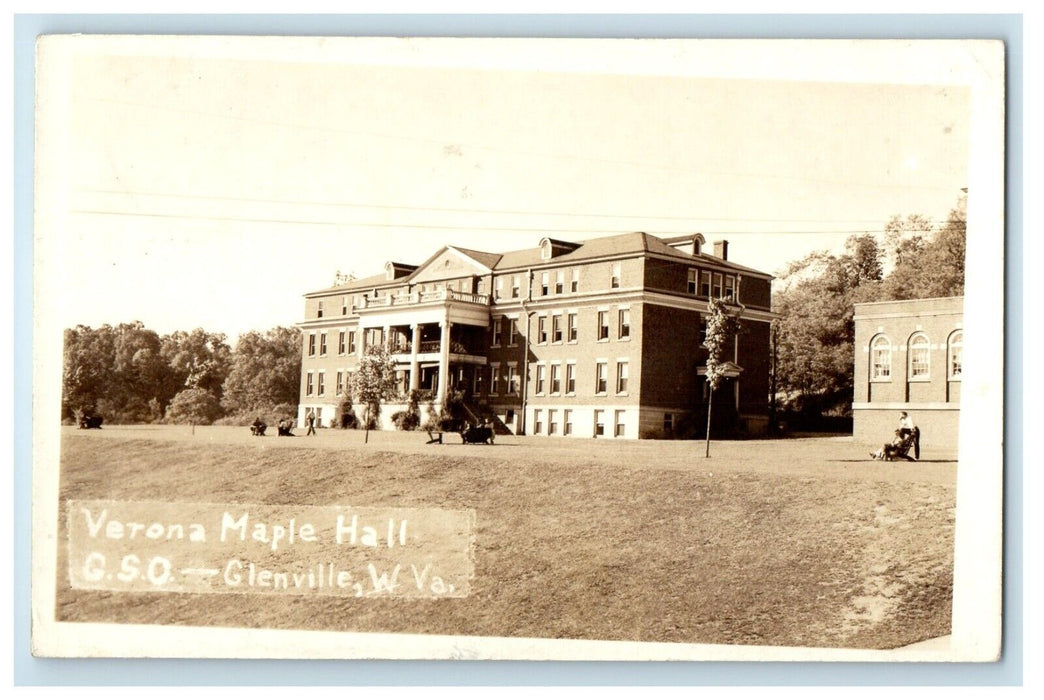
column 212, row 188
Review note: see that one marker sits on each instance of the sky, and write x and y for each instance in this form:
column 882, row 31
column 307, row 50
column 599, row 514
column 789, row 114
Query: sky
column 212, row 186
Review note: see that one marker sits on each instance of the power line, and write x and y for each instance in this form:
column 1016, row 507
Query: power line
column 469, row 210
column 353, row 224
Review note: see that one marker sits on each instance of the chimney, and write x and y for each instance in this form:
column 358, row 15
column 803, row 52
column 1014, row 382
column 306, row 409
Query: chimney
column 721, row 249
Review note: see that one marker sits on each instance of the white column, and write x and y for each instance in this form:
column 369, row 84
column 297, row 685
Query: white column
column 386, row 335
column 444, row 349
column 414, row 364
column 361, row 345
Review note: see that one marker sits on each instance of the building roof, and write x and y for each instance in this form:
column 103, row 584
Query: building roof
column 622, row 244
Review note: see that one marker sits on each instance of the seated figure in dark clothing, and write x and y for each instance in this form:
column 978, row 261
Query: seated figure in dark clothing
column 258, row 427
column 284, row 427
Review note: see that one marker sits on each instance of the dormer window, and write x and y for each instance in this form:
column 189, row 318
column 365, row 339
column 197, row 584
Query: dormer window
column 319, row 311
column 545, row 249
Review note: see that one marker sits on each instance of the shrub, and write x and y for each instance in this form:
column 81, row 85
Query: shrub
column 196, row 406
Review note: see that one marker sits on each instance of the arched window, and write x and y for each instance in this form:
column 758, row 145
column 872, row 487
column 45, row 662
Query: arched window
column 881, row 358
column 919, row 352
column 955, row 354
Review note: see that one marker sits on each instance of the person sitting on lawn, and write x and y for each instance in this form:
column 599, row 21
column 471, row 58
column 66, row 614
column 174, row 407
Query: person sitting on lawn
column 889, row 450
column 258, row 427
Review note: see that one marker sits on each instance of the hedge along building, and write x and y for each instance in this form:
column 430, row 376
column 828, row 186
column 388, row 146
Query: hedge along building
column 600, row 338
column 909, row 357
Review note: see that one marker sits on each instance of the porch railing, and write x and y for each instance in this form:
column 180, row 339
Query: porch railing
column 403, row 299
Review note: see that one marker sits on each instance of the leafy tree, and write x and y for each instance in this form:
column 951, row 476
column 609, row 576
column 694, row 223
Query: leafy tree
column 197, row 359
column 816, row 328
column 722, row 327
column 195, row 406
column 87, row 371
column 265, row 371
column 373, row 382
column 928, row 266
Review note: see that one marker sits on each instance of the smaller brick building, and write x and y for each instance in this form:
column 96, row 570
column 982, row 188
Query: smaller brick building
column 908, row 357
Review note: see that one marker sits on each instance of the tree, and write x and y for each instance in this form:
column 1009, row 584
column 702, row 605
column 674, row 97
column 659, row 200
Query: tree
column 195, row 406
column 265, row 371
column 373, row 382
column 197, row 359
column 722, row 326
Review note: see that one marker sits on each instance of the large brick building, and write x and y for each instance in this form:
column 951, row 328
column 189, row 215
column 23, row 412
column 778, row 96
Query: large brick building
column 600, row 338
column 909, row 357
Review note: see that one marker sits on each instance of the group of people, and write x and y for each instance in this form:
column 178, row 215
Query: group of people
column 285, row 427
column 907, row 438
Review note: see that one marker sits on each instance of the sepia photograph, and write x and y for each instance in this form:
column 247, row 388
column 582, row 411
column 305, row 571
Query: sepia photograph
column 518, row 348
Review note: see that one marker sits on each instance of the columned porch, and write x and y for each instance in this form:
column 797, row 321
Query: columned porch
column 435, row 339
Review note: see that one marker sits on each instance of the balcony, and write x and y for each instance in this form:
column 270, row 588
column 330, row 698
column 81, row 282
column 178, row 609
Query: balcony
column 415, row 298
column 434, row 347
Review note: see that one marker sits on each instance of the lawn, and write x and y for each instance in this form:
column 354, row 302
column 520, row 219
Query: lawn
column 802, row 542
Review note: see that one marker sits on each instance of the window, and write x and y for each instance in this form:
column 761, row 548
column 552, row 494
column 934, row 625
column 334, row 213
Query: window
column 716, row 290
column 556, row 329
column 619, row 424
column 340, row 344
column 516, row 286
column 705, row 283
column 344, row 306
column 540, row 370
column 621, row 377
column 567, row 421
column 497, row 329
column 668, row 423
column 614, row 279
column 560, row 282
column 552, row 421
column 543, row 283
column 556, row 379
column 603, row 325
column 319, row 311
column 494, row 378
column 880, row 358
column 538, row 426
column 541, row 330
column 599, row 423
column 625, row 324
column 311, row 344
column 340, row 383
column 480, row 374
column 322, row 383
column 574, row 286
column 322, row 344
column 513, row 382
column 956, row 354
column 920, row 353
column 730, row 287
column 351, row 341
column 572, row 328
column 500, row 288
column 571, row 378
column 309, row 385
column 601, row 380
column 512, row 332
column 691, row 289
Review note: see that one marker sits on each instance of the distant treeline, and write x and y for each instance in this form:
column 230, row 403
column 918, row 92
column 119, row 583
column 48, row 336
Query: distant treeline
column 130, row 374
column 814, row 297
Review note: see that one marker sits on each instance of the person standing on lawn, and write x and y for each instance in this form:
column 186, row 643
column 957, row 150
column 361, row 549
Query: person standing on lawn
column 310, row 418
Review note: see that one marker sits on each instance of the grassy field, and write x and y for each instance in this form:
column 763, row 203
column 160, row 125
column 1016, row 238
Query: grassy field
column 801, row 542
